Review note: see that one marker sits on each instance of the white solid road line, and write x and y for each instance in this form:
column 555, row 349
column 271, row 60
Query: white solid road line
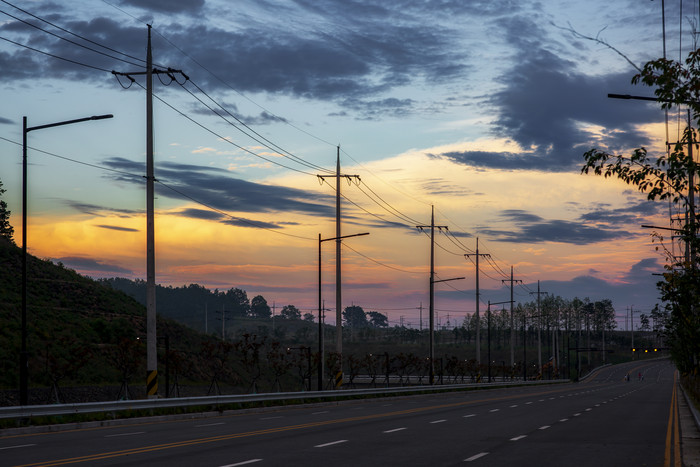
column 18, row 446
column 242, row 463
column 331, row 443
column 394, row 430
column 477, row 456
column 209, row 424
column 126, row 434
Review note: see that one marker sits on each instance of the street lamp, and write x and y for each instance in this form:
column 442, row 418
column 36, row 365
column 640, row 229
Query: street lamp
column 321, row 310
column 431, row 342
column 23, row 361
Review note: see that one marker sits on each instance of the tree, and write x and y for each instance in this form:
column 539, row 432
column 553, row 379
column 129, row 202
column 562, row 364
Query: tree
column 644, row 320
column 290, row 312
column 237, row 299
column 309, row 317
column 377, row 320
column 6, row 230
column 259, row 307
column 671, row 177
column 355, row 317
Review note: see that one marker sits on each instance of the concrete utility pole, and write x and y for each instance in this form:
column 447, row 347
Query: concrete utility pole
column 431, row 312
column 512, row 324
column 338, row 278
column 539, row 325
column 478, row 325
column 151, row 337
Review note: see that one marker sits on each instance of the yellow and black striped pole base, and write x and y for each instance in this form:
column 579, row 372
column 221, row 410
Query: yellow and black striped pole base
column 338, row 380
column 152, row 384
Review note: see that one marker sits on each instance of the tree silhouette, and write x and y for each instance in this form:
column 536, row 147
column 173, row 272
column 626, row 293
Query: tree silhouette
column 290, row 312
column 259, row 307
column 6, row 230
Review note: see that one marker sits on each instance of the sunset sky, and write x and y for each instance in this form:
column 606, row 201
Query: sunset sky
column 482, row 109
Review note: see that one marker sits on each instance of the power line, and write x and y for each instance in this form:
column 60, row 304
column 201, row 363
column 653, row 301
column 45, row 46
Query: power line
column 204, row 127
column 381, row 179
column 251, row 223
column 380, row 263
column 63, row 38
column 267, row 143
column 75, row 62
column 180, row 192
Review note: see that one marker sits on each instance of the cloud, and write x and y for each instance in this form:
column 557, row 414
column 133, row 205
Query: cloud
column 555, row 112
column 98, row 211
column 216, row 188
column 114, row 227
column 636, row 212
column 307, row 56
column 91, row 266
column 6, row 121
column 638, row 287
column 530, row 228
column 167, row 6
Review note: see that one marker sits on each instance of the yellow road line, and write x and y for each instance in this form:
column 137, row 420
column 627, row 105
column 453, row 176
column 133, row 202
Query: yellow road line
column 673, row 442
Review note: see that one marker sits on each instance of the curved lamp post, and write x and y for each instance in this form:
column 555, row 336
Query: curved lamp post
column 23, row 363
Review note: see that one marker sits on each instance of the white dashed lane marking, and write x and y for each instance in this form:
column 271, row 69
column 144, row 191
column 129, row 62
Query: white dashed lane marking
column 331, row 443
column 476, row 456
column 18, row 446
column 394, row 430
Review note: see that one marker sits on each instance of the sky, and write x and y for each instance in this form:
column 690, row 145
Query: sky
column 480, row 110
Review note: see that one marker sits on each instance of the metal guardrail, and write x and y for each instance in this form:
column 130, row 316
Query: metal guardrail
column 28, row 411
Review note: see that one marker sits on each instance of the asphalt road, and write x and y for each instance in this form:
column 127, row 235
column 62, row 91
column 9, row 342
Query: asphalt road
column 605, row 421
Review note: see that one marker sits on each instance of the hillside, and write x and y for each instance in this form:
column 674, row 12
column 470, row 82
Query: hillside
column 76, row 326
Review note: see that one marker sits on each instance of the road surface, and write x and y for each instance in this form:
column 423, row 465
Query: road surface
column 605, row 421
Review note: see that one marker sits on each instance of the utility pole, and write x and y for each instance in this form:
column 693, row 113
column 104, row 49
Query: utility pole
column 478, row 325
column 151, row 338
column 420, row 315
column 431, row 312
column 338, row 281
column 691, row 198
column 539, row 316
column 512, row 324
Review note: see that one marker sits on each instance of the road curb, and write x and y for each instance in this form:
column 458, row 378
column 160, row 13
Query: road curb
column 693, row 411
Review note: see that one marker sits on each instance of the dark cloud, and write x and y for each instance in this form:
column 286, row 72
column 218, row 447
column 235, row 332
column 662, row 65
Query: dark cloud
column 95, row 210
column 530, row 228
column 546, row 103
column 6, row 121
column 114, row 227
column 638, row 287
column 368, row 55
column 217, row 188
column 91, row 266
column 215, row 216
column 643, row 270
column 635, row 213
column 371, row 109
column 167, row 6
